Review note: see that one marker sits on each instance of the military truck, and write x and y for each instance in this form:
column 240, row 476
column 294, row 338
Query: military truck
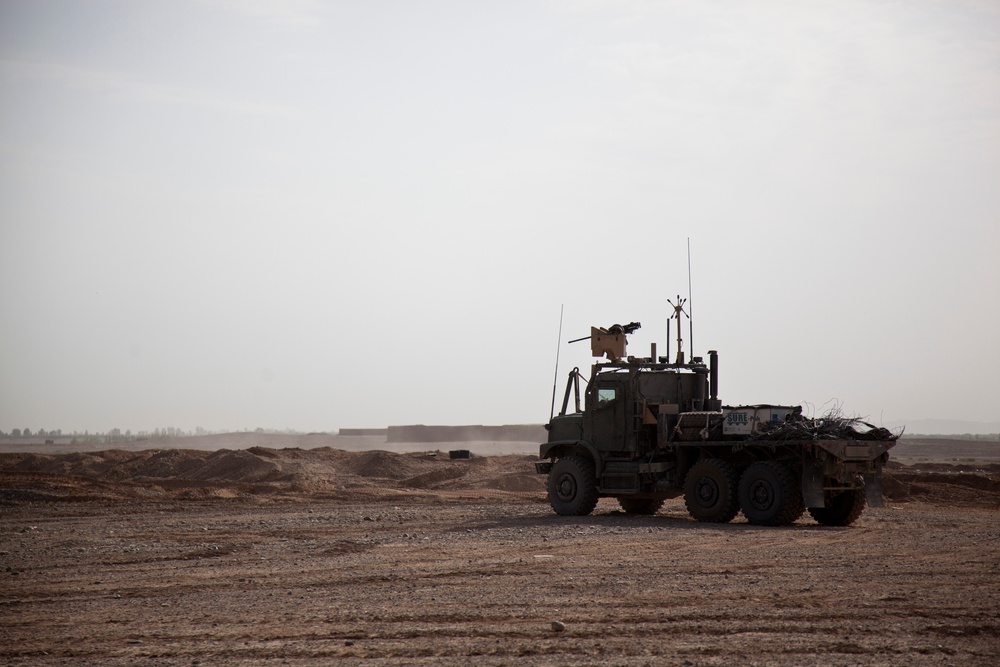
column 651, row 429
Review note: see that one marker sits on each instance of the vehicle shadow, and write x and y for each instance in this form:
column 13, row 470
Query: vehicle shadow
column 620, row 520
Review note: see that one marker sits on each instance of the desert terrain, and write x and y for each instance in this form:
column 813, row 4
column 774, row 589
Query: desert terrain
column 279, row 552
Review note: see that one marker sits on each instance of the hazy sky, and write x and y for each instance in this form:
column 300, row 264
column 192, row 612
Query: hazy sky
column 232, row 214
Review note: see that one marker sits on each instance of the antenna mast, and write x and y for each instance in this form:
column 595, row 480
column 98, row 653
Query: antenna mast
column 678, row 311
column 690, row 304
column 555, row 377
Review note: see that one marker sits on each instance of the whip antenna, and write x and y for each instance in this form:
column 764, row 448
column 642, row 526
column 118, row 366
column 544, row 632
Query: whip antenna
column 690, row 305
column 555, row 377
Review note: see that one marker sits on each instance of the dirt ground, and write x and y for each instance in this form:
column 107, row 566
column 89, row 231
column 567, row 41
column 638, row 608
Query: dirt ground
column 322, row 556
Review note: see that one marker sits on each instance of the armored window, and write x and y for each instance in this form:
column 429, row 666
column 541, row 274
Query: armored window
column 606, row 396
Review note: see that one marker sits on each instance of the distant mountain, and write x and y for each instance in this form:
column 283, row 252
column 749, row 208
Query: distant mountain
column 945, row 427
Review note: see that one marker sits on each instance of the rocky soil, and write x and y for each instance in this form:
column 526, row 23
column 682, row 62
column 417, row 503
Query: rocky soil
column 321, row 556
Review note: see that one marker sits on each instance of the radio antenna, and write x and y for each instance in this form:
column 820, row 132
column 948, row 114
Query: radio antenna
column 690, row 305
column 555, row 377
column 678, row 311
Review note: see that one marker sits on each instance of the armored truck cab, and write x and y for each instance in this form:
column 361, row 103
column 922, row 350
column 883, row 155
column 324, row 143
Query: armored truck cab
column 651, row 430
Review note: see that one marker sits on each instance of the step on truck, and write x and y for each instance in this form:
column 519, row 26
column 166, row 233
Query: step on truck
column 651, row 429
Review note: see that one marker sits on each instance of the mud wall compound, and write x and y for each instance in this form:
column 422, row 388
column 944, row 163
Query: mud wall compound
column 473, row 433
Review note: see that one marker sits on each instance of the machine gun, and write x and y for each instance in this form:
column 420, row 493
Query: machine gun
column 609, row 342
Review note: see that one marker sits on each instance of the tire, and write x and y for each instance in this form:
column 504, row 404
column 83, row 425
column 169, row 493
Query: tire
column 641, row 506
column 572, row 486
column 771, row 494
column 842, row 509
column 710, row 491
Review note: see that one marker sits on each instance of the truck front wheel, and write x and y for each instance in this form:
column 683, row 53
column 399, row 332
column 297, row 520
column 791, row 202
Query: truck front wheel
column 770, row 494
column 710, row 491
column 572, row 486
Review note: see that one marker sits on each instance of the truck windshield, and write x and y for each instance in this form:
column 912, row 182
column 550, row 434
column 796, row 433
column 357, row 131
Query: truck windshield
column 605, row 396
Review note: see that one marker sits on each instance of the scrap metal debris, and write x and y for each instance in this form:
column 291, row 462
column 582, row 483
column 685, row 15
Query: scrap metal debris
column 831, row 426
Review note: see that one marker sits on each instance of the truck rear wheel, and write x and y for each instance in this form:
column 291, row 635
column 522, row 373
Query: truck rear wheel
column 572, row 486
column 710, row 491
column 842, row 509
column 770, row 494
column 641, row 506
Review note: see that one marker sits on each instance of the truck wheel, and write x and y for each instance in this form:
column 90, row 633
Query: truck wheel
column 710, row 491
column 641, row 506
column 572, row 486
column 770, row 494
column 842, row 509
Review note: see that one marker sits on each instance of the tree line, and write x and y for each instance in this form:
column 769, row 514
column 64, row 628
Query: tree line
column 112, row 436
column 116, row 435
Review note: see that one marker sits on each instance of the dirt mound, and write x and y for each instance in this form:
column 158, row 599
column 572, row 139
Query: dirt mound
column 110, row 465
column 238, row 466
column 385, row 465
column 168, row 463
column 258, row 471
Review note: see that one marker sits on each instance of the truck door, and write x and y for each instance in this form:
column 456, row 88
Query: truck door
column 608, row 423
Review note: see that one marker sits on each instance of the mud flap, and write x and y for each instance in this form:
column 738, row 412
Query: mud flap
column 812, row 482
column 873, row 488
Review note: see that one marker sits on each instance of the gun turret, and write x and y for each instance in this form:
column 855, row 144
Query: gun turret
column 609, row 342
